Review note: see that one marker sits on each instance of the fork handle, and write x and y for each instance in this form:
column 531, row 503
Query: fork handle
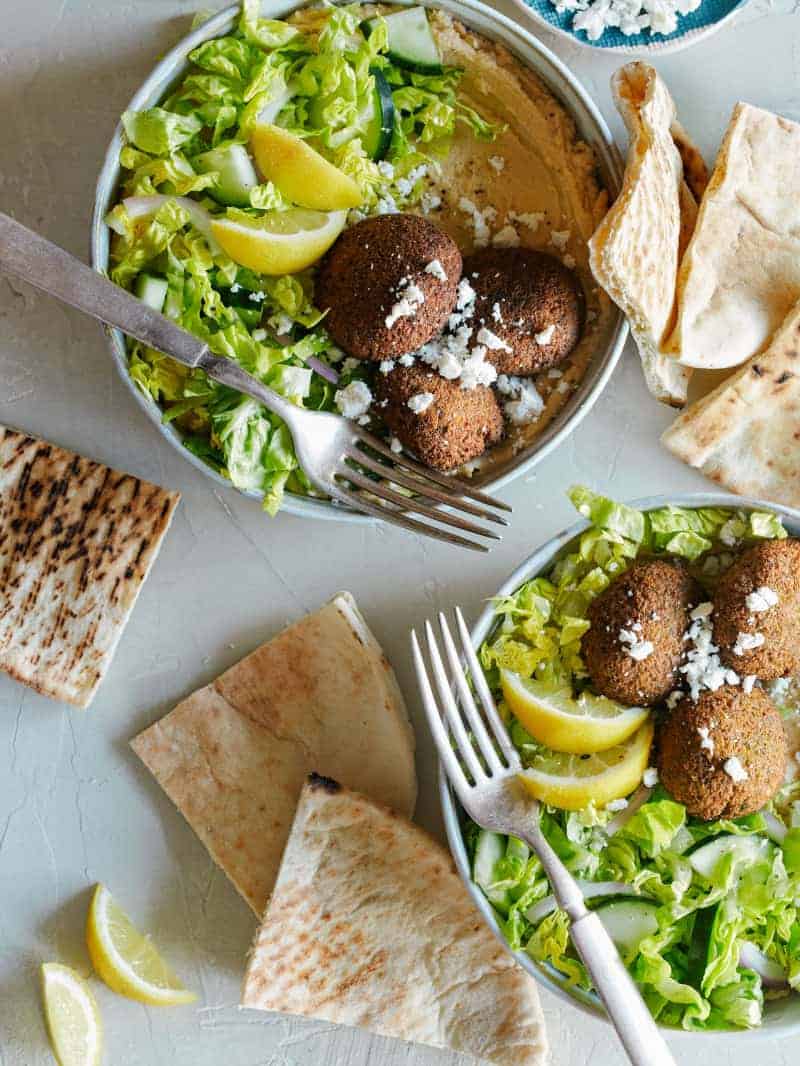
column 635, row 1025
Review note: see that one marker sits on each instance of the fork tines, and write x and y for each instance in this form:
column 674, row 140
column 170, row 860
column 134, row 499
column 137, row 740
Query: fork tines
column 433, row 496
column 473, row 744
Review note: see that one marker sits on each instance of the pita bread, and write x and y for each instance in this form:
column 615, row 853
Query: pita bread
column 370, row 925
column 695, row 171
column 77, row 540
column 234, row 755
column 635, row 251
column 745, row 435
column 741, row 272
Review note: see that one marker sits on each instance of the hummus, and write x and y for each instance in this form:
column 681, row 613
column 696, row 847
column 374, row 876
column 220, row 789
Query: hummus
column 537, row 169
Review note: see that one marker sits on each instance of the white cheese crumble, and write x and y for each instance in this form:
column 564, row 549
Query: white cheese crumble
column 633, row 644
column 650, row 777
column 410, row 298
column 497, row 163
column 386, row 366
column 546, row 335
column 728, row 533
column 531, row 219
column 761, row 600
column 507, row 237
column 480, row 220
column 524, row 404
column 617, row 805
column 395, row 445
column 703, row 669
column 436, row 269
column 492, row 341
column 570, row 262
column 406, row 360
column 747, row 642
column 706, row 740
column 429, row 201
column 629, row 16
column 734, row 769
column 497, row 314
column 559, row 238
column 353, row 401
column 421, row 402
column 748, row 684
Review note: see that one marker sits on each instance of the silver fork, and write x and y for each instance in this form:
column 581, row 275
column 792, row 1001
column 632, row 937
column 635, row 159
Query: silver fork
column 333, row 452
column 481, row 764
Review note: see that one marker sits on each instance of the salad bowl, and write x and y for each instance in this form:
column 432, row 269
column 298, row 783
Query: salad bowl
column 781, row 1017
column 591, row 128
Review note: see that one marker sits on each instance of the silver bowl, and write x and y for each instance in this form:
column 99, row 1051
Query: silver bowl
column 781, row 1016
column 591, row 127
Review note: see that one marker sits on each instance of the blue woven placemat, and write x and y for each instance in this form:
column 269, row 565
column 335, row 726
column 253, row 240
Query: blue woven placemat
column 709, row 12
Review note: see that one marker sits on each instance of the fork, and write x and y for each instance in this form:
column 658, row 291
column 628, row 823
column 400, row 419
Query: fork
column 482, row 765
column 333, row 452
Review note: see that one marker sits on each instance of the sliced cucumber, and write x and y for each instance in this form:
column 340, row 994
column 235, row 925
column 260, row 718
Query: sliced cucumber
column 411, row 41
column 705, row 857
column 236, row 174
column 697, row 957
column 152, row 291
column 379, row 119
column 628, row 920
column 491, row 847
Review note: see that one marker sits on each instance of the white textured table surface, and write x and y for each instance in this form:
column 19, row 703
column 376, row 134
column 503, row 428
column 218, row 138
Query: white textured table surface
column 75, row 806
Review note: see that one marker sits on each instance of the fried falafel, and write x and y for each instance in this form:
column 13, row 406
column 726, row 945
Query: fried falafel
column 531, row 302
column 388, row 285
column 441, row 423
column 634, row 645
column 757, row 611
column 724, row 755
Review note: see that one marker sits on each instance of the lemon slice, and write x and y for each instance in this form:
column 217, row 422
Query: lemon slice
column 581, row 725
column 126, row 960
column 572, row 782
column 282, row 242
column 73, row 1020
column 301, row 174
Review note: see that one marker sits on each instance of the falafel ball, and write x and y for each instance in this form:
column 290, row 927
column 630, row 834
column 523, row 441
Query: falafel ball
column 531, row 302
column 634, row 645
column 441, row 423
column 759, row 597
column 388, row 284
column 725, row 755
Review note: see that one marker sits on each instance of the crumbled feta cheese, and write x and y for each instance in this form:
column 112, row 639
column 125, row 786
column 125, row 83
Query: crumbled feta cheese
column 480, row 220
column 497, row 163
column 465, row 295
column 395, row 445
column 779, row 689
column 734, row 769
column 386, row 169
column 350, row 364
column 405, row 185
column 570, row 262
column 674, row 699
column 410, row 298
column 748, row 684
column 236, row 287
column 353, row 401
column 524, row 404
column 421, row 402
column 497, row 314
column 761, row 600
column 507, row 237
column 559, row 238
column 564, row 386
column 492, row 341
column 728, row 533
column 257, row 297
column 617, row 805
column 650, row 777
column 436, row 269
column 703, row 669
column 702, row 610
column 531, row 219
column 281, row 323
column 259, row 335
column 633, row 644
column 546, row 334
column 406, row 360
column 747, row 642
column 706, row 740
column 387, row 205
column 429, row 201
column 387, row 366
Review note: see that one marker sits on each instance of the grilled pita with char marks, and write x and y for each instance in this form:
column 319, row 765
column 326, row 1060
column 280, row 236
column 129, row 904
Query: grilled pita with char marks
column 370, row 925
column 233, row 756
column 77, row 540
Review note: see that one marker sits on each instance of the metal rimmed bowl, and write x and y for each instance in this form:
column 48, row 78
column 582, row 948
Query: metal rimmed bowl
column 591, row 128
column 781, row 1016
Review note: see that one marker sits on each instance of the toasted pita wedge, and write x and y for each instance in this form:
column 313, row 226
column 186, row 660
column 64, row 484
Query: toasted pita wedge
column 741, row 272
column 234, row 755
column 77, row 540
column 369, row 925
column 745, row 435
column 635, row 251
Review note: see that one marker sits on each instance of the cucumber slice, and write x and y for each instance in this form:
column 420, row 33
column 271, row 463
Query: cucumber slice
column 152, row 291
column 379, row 119
column 490, row 848
column 628, row 920
column 411, row 42
column 700, row 946
column 705, row 857
column 237, row 175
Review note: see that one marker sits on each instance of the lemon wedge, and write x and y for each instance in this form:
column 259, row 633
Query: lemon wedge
column 281, row 242
column 73, row 1020
column 126, row 960
column 580, row 725
column 572, row 782
column 300, row 173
